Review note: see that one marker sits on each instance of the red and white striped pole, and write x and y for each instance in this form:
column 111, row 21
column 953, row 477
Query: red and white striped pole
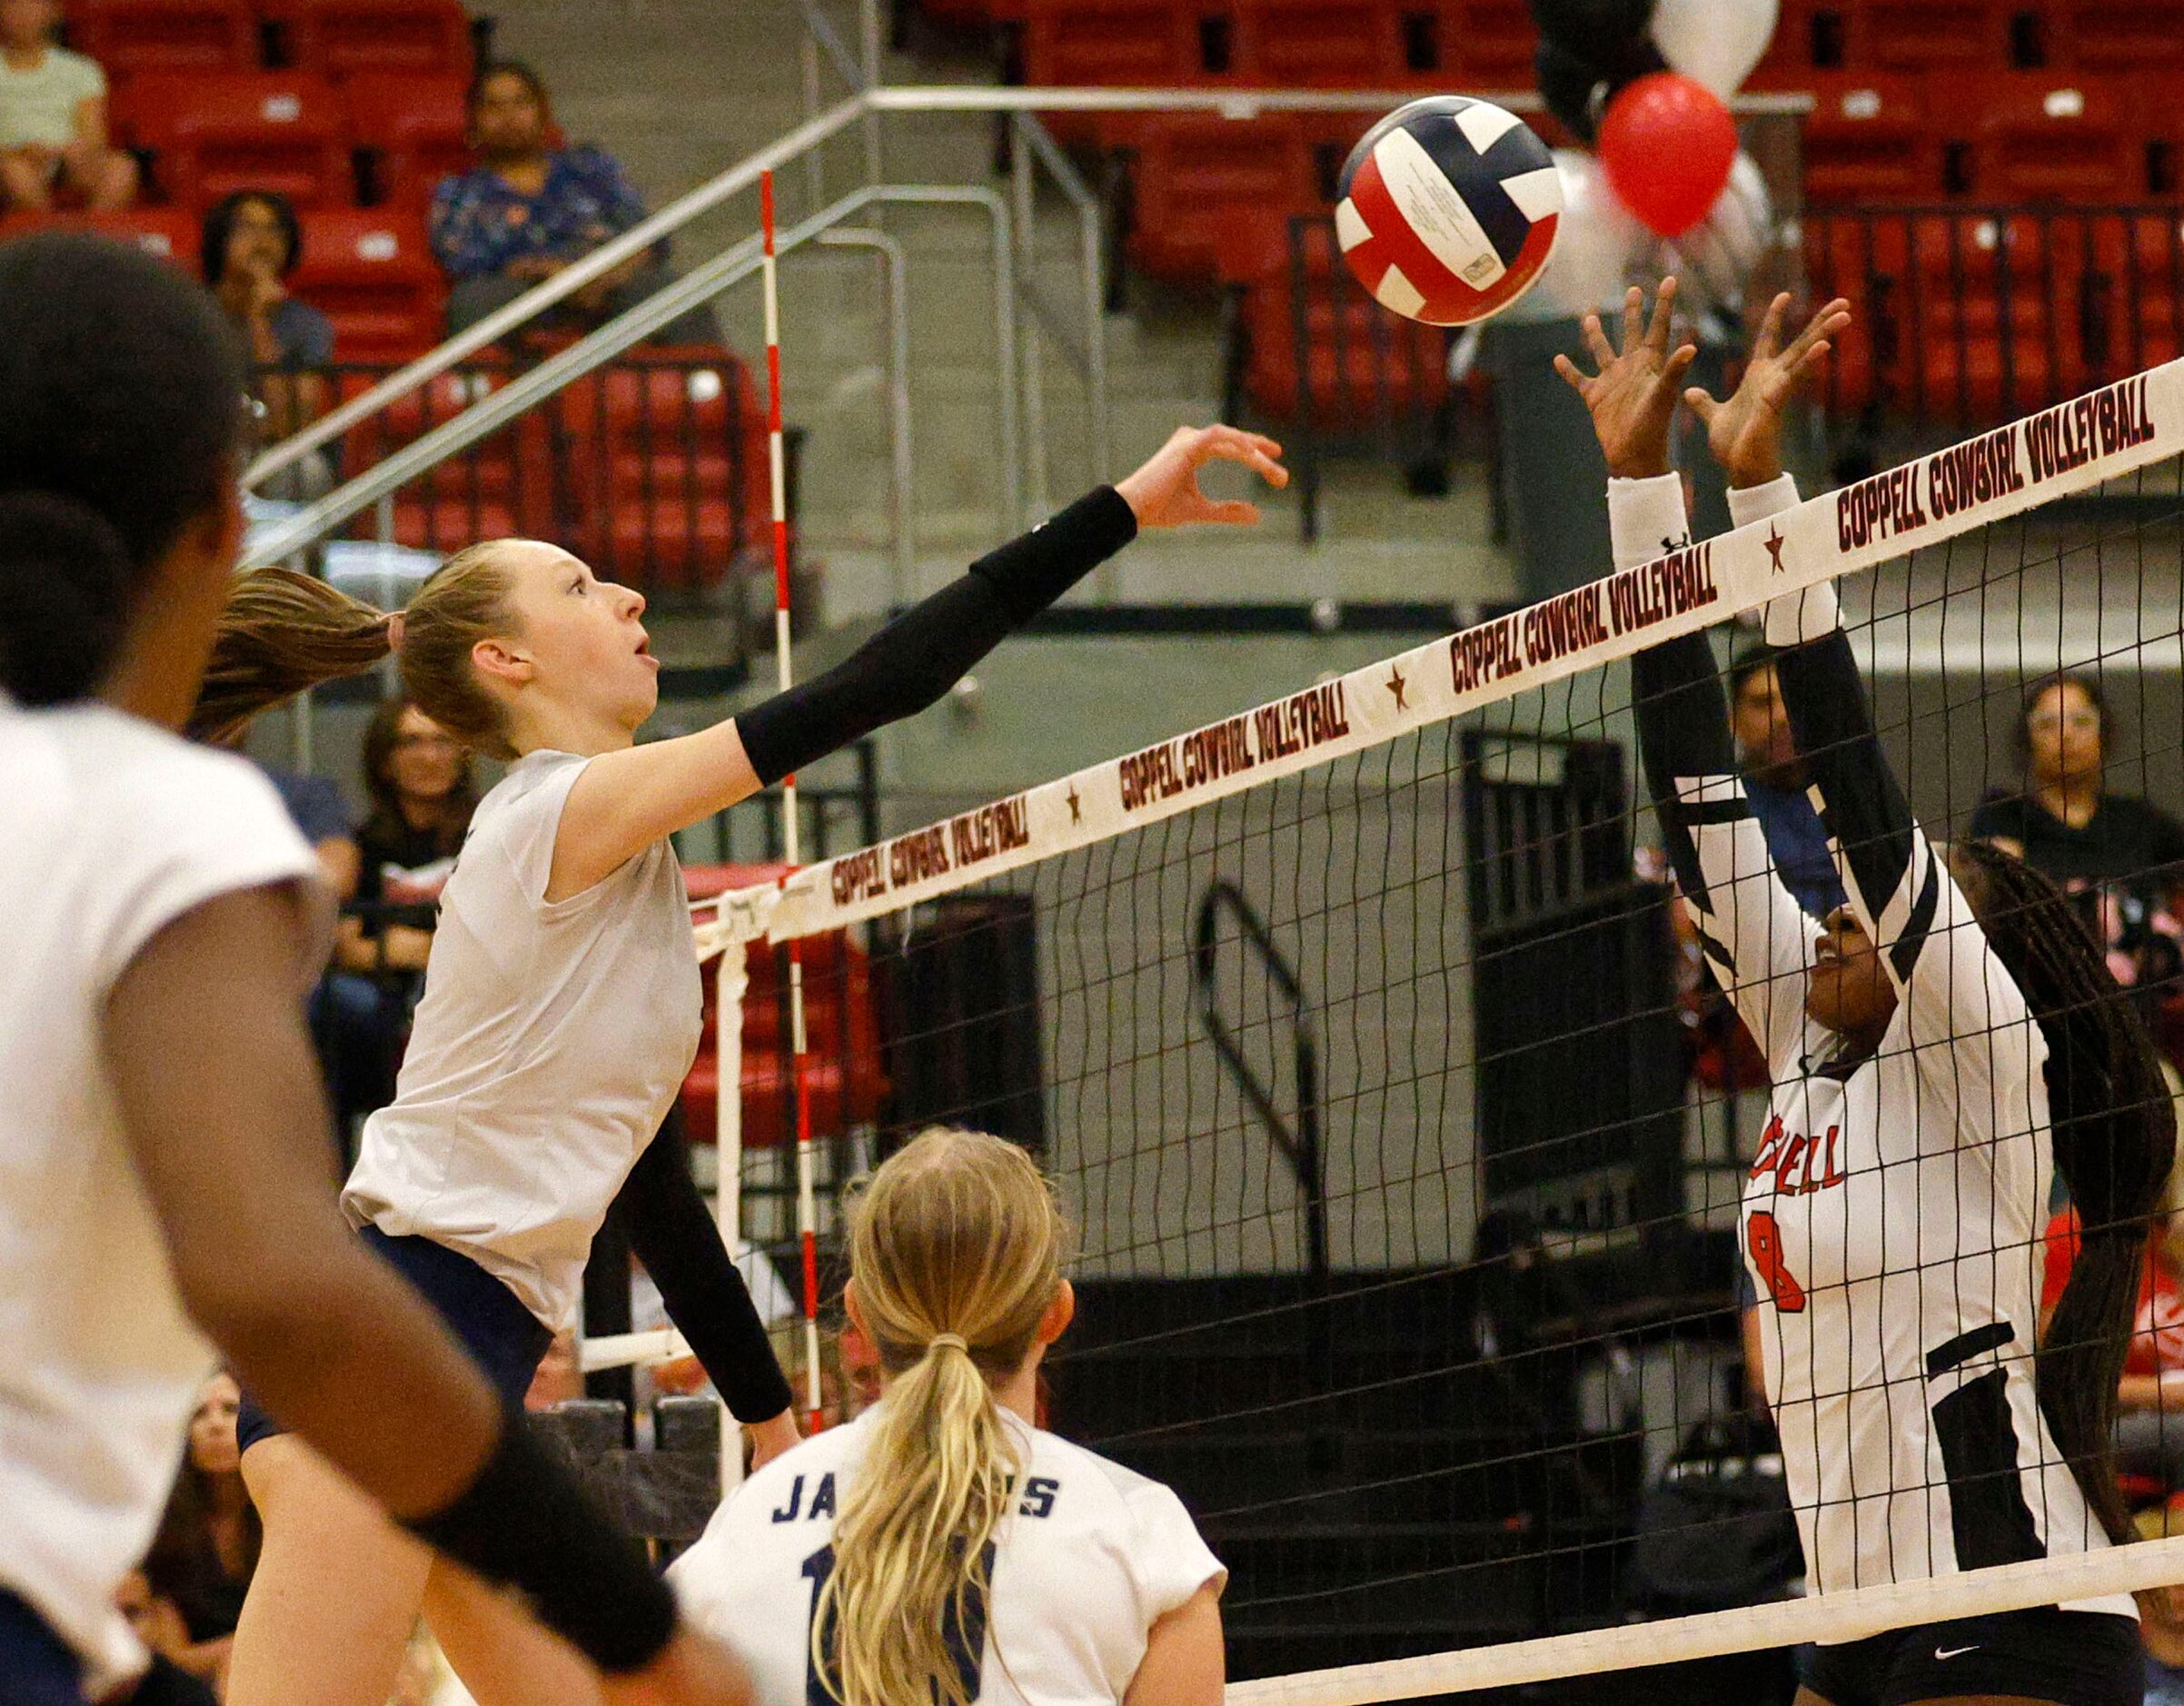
column 806, row 1196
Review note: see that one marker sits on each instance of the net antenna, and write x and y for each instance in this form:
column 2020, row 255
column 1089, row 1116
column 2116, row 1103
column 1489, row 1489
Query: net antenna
column 806, row 1198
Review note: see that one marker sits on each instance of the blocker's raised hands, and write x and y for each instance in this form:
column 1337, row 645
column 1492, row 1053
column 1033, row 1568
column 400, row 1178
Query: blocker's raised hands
column 1164, row 491
column 1632, row 397
column 1745, row 432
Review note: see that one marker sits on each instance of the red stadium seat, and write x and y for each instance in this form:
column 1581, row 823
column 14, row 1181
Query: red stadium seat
column 1928, row 34
column 1362, row 365
column 342, row 38
column 1866, row 140
column 166, row 231
column 265, row 129
column 372, row 272
column 2048, row 136
column 2116, row 34
column 1192, row 169
column 1131, row 43
column 130, row 37
column 1322, row 44
column 667, row 467
column 499, row 486
column 414, row 125
column 1487, row 44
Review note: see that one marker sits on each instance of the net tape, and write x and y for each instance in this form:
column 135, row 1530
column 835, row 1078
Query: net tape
column 2068, row 449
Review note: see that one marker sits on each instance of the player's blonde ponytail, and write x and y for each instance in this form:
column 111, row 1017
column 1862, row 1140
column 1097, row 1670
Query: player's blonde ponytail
column 956, row 1249
column 282, row 632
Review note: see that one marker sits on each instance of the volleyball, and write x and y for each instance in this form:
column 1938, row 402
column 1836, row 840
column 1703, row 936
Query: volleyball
column 1448, row 210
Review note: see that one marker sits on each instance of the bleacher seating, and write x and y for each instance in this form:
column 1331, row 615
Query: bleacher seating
column 371, row 273
column 166, row 231
column 1867, row 140
column 218, row 132
column 1192, row 168
column 2045, row 136
column 412, row 126
column 342, row 38
column 130, row 37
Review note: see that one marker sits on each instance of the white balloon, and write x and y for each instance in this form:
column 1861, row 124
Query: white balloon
column 1715, row 42
column 1595, row 247
column 1716, row 258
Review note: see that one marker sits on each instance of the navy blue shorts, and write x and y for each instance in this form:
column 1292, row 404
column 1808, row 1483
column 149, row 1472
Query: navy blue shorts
column 37, row 1668
column 2074, row 1657
column 504, row 1337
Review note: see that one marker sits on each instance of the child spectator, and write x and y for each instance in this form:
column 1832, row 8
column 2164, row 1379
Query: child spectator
column 52, row 118
column 527, row 211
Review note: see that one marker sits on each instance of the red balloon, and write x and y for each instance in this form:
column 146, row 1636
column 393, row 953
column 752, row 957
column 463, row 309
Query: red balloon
column 1667, row 142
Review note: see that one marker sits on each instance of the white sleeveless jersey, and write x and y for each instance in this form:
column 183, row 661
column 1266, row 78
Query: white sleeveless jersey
column 1893, row 1216
column 552, row 1038
column 112, row 829
column 1093, row 1556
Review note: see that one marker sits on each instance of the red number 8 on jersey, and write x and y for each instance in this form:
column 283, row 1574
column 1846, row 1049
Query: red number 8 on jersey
column 1763, row 1238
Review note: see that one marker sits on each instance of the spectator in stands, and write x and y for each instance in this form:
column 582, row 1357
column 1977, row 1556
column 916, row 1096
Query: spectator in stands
column 2064, row 822
column 52, row 118
column 1774, row 782
column 528, row 210
column 252, row 243
column 207, row 1546
column 423, row 793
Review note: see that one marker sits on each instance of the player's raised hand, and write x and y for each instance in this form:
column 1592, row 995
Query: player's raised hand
column 692, row 1670
column 1745, row 432
column 1164, row 491
column 1632, row 397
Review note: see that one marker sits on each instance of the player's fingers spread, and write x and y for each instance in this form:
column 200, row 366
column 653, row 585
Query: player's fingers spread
column 1233, row 512
column 1771, row 328
column 1633, row 316
column 1701, row 404
column 1568, row 370
column 1664, row 314
column 1679, row 364
column 1596, row 341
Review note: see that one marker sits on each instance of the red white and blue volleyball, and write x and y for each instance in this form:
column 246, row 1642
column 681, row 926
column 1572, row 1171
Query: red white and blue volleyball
column 1448, row 210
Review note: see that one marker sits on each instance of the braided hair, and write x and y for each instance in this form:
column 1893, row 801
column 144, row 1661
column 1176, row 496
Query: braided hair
column 2114, row 1130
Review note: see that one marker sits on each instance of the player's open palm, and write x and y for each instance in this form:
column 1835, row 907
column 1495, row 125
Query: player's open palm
column 1632, row 397
column 1164, row 491
column 1745, row 432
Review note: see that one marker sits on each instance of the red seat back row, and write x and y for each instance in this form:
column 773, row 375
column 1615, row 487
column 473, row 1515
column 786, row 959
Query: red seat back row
column 334, row 38
column 1933, row 36
column 1993, row 136
column 213, row 133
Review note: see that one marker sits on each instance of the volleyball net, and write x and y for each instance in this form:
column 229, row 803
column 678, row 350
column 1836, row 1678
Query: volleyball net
column 1403, row 1126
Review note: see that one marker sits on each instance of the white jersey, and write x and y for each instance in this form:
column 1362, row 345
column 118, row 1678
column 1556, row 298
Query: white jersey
column 1893, row 1216
column 111, row 831
column 552, row 1038
column 1092, row 1558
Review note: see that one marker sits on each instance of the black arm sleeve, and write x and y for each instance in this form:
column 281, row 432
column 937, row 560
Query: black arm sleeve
column 1683, row 730
column 1861, row 802
column 926, row 650
column 677, row 1240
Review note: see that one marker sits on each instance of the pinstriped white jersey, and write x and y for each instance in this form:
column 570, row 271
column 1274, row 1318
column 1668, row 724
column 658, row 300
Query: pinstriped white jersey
column 1891, row 1217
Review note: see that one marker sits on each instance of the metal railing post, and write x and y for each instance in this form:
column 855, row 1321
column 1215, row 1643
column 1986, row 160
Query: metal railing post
column 1021, row 201
column 902, row 476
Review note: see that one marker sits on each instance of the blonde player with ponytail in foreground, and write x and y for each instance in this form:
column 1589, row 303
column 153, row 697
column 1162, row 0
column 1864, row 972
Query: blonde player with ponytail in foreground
column 942, row 1548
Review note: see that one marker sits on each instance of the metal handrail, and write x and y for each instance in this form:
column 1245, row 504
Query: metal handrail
column 1299, row 1144
column 496, row 410
column 814, row 133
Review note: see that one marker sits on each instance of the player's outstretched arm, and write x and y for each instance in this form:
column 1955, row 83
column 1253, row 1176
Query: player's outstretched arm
column 228, row 1129
column 625, row 802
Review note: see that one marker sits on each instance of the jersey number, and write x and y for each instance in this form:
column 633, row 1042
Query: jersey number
column 965, row 1636
column 1763, row 1238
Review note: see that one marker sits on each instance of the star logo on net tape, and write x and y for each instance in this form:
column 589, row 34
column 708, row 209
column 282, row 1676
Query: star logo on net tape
column 1775, row 550
column 1076, row 805
column 1396, row 685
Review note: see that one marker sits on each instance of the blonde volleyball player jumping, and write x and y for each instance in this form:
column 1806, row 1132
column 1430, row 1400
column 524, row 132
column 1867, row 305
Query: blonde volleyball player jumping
column 942, row 1548
column 560, row 1009
column 1950, row 1037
